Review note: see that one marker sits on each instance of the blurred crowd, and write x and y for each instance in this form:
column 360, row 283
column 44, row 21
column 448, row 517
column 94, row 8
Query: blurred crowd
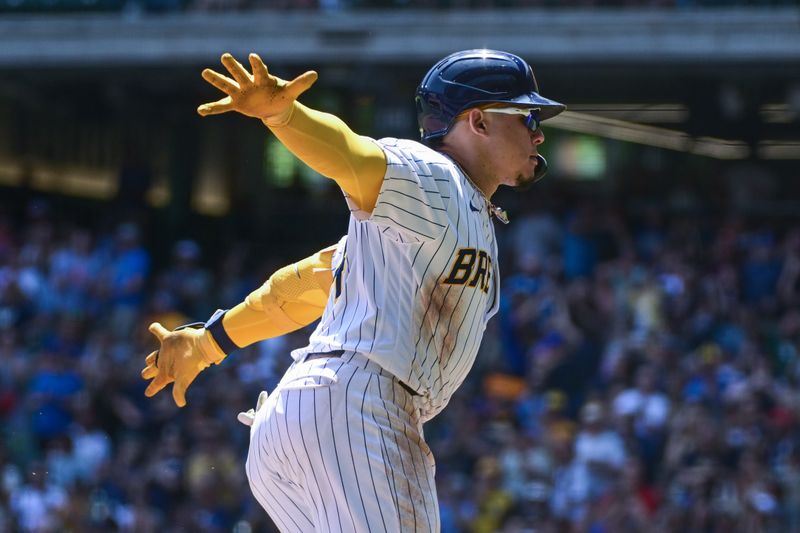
column 333, row 5
column 656, row 371
column 171, row 6
column 642, row 375
column 467, row 4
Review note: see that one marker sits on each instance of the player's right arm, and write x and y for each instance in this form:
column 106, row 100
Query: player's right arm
column 321, row 140
column 292, row 297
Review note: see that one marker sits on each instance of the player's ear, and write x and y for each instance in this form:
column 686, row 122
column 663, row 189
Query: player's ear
column 476, row 120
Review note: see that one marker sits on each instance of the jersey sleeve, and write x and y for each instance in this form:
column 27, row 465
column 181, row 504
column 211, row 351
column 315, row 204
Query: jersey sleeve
column 414, row 192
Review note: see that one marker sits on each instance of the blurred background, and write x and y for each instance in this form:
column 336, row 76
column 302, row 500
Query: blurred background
column 642, row 374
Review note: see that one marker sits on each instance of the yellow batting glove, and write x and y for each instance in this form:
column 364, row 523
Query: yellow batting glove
column 183, row 354
column 259, row 95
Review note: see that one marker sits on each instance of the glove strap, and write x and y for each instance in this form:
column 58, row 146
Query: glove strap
column 218, row 333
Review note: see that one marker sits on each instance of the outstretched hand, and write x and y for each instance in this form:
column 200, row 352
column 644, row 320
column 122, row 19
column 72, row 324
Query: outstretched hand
column 183, row 354
column 260, row 94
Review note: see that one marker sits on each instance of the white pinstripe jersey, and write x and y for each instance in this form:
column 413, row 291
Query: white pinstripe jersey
column 418, row 280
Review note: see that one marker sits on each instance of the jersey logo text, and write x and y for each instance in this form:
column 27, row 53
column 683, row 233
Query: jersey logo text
column 471, row 267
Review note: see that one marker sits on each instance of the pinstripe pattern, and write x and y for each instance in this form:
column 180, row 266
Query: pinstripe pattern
column 357, row 461
column 393, row 307
column 339, row 446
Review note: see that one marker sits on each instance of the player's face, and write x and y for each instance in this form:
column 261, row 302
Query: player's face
column 517, row 145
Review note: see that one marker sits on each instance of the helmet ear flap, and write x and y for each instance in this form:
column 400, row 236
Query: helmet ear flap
column 541, row 168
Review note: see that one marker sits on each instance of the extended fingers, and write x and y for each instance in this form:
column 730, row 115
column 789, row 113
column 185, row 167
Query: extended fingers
column 179, row 392
column 160, row 381
column 150, row 370
column 260, row 72
column 159, row 331
column 236, row 70
column 215, row 108
column 301, row 84
column 223, row 83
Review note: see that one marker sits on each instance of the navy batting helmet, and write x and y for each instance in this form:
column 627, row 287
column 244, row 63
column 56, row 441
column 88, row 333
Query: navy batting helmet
column 476, row 77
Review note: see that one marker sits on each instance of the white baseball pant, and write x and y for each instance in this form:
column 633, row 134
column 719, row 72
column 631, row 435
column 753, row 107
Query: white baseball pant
column 338, row 447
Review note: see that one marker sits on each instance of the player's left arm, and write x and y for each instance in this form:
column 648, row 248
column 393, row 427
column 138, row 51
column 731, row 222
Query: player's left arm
column 292, row 297
column 321, row 140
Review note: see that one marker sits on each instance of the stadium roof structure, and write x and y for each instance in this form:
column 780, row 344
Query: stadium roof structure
column 722, row 82
column 594, row 36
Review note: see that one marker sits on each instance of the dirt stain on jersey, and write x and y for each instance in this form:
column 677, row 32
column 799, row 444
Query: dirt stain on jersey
column 442, row 314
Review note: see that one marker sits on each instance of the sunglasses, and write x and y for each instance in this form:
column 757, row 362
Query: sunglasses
column 531, row 115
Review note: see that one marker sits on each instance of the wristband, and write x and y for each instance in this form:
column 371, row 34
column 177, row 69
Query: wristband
column 218, row 333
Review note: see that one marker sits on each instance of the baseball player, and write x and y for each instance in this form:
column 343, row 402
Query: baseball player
column 338, row 445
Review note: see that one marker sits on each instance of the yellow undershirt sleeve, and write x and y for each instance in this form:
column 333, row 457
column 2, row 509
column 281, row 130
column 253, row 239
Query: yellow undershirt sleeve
column 291, row 298
column 326, row 144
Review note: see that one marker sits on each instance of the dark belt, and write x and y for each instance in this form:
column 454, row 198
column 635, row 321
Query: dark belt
column 338, row 353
